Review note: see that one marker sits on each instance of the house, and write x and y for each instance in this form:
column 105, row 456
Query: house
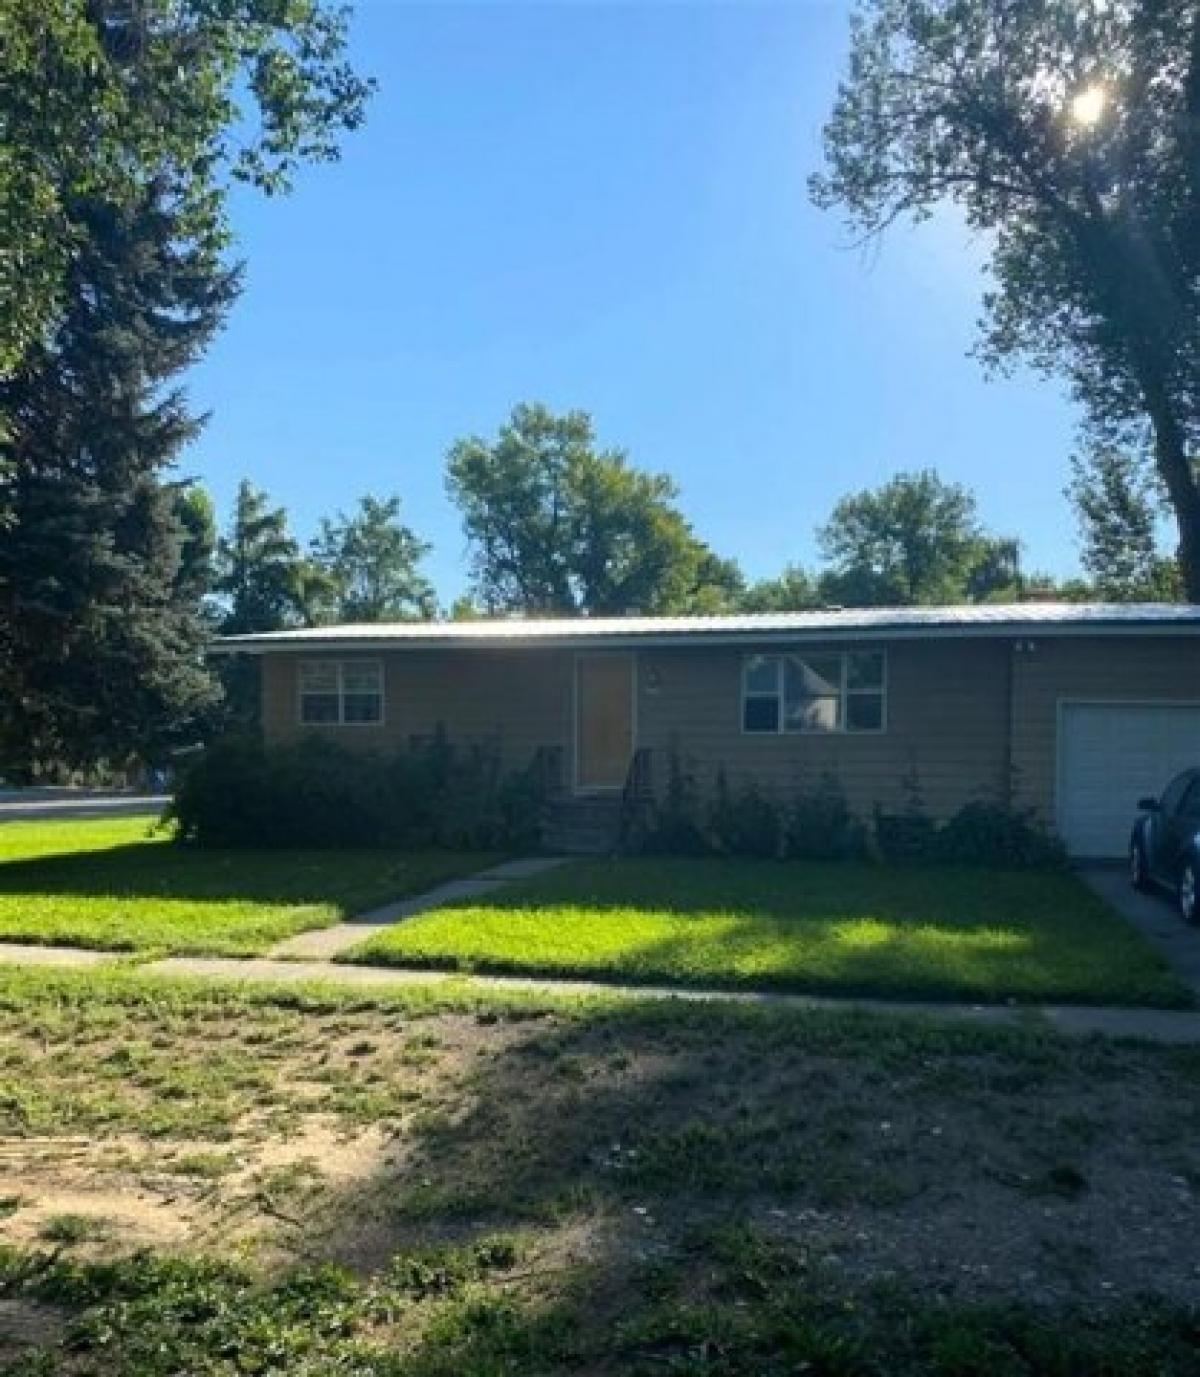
column 1072, row 710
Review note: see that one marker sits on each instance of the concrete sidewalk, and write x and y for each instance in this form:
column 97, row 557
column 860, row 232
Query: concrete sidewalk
column 1165, row 1026
column 307, row 958
column 17, row 805
column 324, row 943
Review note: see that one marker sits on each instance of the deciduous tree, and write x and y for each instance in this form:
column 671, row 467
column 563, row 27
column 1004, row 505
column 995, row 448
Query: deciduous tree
column 1069, row 132
column 372, row 561
column 556, row 525
column 916, row 539
column 795, row 590
column 1119, row 506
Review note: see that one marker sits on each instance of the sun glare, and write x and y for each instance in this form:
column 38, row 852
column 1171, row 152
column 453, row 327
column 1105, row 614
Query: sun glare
column 1088, row 106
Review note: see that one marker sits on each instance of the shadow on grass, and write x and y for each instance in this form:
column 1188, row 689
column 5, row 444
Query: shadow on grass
column 848, row 929
column 709, row 1194
column 352, row 880
column 712, row 1193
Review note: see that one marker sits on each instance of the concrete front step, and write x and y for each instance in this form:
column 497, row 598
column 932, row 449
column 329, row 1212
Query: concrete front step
column 581, row 846
column 587, row 825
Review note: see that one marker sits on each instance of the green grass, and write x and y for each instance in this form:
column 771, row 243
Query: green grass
column 755, row 1310
column 114, row 884
column 929, row 933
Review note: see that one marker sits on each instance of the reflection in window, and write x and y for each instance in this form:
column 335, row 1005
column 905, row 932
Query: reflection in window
column 819, row 693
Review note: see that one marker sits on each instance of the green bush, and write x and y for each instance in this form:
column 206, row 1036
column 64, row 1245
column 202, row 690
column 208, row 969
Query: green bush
column 907, row 836
column 744, row 822
column 820, row 825
column 318, row 793
column 981, row 833
column 991, row 834
column 674, row 824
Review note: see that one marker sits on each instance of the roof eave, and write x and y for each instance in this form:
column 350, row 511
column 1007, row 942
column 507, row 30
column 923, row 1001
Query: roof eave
column 299, row 643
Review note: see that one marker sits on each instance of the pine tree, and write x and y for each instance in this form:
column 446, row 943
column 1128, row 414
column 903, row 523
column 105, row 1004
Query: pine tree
column 102, row 561
column 262, row 583
column 261, row 574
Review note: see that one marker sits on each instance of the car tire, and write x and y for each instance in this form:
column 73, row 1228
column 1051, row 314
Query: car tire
column 1189, row 901
column 1139, row 873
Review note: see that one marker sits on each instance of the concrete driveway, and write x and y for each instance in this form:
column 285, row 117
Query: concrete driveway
column 1156, row 917
column 23, row 804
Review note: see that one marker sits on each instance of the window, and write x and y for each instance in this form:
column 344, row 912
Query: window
column 827, row 692
column 341, row 692
column 1174, row 792
column 1190, row 807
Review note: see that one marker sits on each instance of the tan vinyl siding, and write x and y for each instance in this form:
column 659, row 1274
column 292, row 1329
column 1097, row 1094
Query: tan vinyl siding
column 520, row 700
column 947, row 715
column 1147, row 670
column 951, row 706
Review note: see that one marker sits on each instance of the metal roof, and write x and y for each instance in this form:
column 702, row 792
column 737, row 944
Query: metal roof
column 877, row 623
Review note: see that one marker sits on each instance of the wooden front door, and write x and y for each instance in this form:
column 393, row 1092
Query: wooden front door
column 603, row 719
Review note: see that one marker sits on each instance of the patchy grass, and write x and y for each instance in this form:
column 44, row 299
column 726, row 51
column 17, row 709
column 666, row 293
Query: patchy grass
column 924, row 933
column 420, row 1184
column 117, row 884
column 755, row 1310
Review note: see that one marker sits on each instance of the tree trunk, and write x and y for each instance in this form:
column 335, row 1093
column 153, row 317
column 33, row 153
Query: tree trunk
column 1170, row 454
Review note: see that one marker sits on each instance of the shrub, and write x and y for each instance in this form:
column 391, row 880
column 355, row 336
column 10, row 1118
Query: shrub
column 911, row 834
column 820, row 825
column 674, row 825
column 745, row 822
column 908, row 836
column 317, row 793
column 982, row 833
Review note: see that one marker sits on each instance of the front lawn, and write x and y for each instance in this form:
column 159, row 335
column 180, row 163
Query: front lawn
column 113, row 883
column 832, row 929
column 440, row 1182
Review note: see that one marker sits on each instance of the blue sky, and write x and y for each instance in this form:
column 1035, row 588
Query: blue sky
column 604, row 206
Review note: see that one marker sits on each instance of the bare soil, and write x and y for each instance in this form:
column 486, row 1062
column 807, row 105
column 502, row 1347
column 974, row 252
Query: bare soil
column 972, row 1165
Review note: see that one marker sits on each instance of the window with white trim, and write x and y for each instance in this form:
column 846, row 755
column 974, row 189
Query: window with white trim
column 829, row 691
column 341, row 692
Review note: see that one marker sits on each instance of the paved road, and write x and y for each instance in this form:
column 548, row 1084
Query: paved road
column 21, row 804
column 1155, row 916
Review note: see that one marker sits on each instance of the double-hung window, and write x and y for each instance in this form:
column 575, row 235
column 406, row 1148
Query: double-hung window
column 341, row 692
column 831, row 691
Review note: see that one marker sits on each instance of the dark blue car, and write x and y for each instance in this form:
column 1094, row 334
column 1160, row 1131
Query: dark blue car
column 1164, row 851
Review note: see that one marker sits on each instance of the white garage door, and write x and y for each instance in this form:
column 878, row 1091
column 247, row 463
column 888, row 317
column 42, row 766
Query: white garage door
column 1111, row 755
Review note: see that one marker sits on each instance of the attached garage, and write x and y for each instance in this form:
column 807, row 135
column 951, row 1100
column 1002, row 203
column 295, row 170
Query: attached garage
column 1111, row 755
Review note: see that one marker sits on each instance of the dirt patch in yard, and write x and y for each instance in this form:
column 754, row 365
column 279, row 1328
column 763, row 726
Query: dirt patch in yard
column 972, row 1164
column 260, row 1196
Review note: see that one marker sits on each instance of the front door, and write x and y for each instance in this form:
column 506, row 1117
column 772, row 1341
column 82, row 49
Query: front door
column 603, row 719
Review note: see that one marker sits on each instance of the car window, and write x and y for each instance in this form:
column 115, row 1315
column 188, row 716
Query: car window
column 1190, row 807
column 1175, row 791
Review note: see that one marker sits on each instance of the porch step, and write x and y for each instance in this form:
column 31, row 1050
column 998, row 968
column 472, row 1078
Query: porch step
column 585, row 825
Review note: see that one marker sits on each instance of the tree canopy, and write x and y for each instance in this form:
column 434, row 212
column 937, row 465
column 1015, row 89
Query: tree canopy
column 372, row 562
column 556, row 525
column 794, row 590
column 261, row 576
column 101, row 100
column 1069, row 131
column 103, row 564
column 1118, row 506
column 916, row 539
